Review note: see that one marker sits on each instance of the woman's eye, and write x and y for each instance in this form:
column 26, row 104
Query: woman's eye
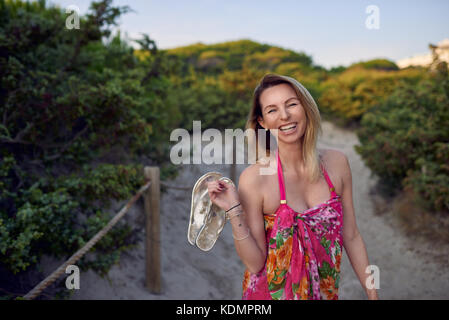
column 293, row 104
column 272, row 110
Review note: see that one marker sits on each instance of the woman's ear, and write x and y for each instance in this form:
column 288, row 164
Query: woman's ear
column 261, row 122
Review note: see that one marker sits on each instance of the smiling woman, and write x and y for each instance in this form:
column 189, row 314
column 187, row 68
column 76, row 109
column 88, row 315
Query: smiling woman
column 288, row 228
column 298, row 109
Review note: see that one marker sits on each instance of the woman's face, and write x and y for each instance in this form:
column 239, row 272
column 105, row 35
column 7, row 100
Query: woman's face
column 282, row 110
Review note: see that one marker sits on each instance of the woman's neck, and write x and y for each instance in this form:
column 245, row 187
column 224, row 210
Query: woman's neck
column 291, row 157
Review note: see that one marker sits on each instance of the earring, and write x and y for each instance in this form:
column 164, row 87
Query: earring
column 266, row 129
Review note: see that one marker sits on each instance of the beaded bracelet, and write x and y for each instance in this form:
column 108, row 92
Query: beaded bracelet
column 243, row 238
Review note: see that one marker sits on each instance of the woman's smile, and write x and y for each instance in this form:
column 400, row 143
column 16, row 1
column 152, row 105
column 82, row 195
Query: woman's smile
column 288, row 128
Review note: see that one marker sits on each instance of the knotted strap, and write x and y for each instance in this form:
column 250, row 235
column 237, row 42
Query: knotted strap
column 292, row 271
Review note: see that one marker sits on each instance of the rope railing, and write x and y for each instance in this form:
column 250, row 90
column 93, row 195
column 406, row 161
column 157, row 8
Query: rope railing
column 152, row 243
column 75, row 257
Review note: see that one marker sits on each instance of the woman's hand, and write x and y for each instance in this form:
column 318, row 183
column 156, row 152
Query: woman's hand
column 222, row 194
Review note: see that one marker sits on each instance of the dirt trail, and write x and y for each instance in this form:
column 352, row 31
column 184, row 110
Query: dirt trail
column 407, row 270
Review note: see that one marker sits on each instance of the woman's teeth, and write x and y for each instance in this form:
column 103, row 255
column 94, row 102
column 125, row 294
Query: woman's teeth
column 288, row 128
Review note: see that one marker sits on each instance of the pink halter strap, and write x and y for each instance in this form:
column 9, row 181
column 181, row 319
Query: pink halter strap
column 329, row 182
column 282, row 186
column 281, row 180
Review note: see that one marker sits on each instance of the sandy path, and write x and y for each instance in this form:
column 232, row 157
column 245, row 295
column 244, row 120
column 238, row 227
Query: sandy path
column 188, row 273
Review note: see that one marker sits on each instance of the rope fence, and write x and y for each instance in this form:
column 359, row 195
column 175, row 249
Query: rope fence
column 152, row 230
column 151, row 210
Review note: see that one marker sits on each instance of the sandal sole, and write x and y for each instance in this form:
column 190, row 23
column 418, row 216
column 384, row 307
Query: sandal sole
column 200, row 205
column 213, row 226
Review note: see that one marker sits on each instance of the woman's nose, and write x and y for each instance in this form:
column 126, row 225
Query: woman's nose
column 284, row 113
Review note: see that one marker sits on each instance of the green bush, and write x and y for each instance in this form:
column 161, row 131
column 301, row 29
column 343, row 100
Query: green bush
column 430, row 179
column 349, row 94
column 405, row 140
column 58, row 216
column 377, row 64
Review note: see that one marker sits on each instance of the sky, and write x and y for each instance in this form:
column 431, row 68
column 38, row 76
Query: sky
column 333, row 33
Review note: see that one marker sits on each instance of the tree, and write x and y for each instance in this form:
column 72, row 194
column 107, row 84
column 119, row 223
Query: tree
column 70, row 100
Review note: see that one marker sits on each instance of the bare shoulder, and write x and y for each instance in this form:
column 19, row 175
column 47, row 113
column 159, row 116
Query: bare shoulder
column 335, row 160
column 255, row 178
column 337, row 167
column 250, row 191
column 250, row 176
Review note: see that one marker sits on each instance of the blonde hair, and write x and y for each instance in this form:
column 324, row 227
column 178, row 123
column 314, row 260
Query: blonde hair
column 313, row 121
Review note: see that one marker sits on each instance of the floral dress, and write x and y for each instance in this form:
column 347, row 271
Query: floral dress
column 304, row 251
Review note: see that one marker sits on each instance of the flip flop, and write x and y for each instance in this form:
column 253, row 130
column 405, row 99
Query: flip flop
column 213, row 226
column 201, row 205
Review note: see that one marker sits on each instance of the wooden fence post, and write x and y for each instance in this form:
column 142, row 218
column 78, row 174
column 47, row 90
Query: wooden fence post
column 152, row 230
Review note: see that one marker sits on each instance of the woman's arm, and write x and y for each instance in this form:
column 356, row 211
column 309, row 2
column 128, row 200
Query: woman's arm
column 352, row 239
column 249, row 225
